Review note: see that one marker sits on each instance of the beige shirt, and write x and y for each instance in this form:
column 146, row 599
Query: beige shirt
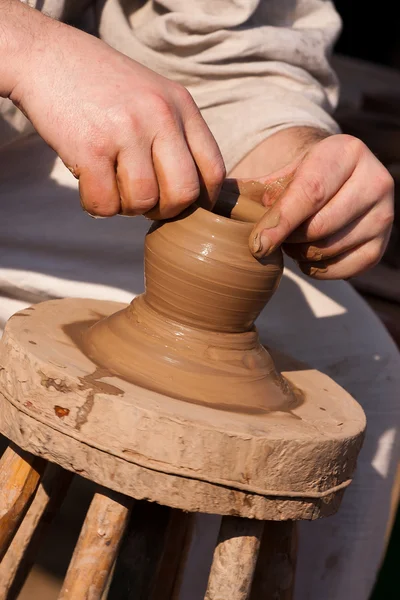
column 253, row 66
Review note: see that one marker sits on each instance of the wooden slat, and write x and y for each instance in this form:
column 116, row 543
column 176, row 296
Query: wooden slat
column 235, row 559
column 97, row 547
column 20, row 473
column 276, row 565
column 22, row 552
column 173, row 560
column 153, row 554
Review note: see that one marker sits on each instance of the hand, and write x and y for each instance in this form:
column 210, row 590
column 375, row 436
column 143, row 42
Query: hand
column 331, row 208
column 134, row 139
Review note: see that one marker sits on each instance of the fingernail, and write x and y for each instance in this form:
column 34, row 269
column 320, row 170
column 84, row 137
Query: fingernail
column 311, row 270
column 256, row 245
column 314, row 270
column 313, row 254
column 261, row 244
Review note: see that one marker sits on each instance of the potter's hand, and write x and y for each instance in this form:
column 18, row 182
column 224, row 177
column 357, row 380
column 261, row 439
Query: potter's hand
column 131, row 137
column 335, row 212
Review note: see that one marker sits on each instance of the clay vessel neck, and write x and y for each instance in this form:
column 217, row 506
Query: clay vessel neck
column 191, row 334
column 199, row 272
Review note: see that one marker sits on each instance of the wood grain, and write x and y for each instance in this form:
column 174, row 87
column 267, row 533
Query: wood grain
column 22, row 552
column 276, row 565
column 235, row 559
column 97, row 547
column 20, row 473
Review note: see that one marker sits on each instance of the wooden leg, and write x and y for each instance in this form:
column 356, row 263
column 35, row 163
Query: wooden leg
column 20, row 473
column 276, row 564
column 21, row 554
column 235, row 559
column 149, row 564
column 97, row 547
column 140, row 552
column 176, row 545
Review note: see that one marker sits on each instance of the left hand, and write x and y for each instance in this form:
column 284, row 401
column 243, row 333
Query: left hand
column 334, row 213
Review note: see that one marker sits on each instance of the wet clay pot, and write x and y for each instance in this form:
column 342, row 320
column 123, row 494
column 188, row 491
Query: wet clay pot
column 191, row 335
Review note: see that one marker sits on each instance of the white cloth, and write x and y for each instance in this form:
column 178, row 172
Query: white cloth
column 260, row 64
column 254, row 67
column 50, row 248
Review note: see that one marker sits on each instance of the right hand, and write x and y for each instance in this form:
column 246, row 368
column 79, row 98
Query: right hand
column 134, row 139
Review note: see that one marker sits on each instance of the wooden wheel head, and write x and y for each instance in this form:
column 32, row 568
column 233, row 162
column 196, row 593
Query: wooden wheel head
column 56, row 403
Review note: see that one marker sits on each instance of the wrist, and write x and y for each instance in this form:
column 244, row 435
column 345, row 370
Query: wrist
column 298, row 140
column 279, row 150
column 20, row 30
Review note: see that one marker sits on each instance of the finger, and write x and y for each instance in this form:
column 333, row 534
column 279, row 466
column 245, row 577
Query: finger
column 370, row 181
column 316, row 180
column 350, row 263
column 137, row 182
column 177, row 176
column 98, row 189
column 263, row 191
column 208, row 158
column 374, row 223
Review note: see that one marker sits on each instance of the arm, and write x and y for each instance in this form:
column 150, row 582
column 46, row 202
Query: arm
column 266, row 76
column 16, row 36
column 133, row 138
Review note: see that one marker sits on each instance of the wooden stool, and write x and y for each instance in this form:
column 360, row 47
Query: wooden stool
column 262, row 472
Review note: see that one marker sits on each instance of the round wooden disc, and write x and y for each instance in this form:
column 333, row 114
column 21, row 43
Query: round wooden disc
column 56, row 403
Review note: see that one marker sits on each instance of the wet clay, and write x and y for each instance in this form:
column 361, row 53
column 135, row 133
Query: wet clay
column 191, row 334
column 239, row 207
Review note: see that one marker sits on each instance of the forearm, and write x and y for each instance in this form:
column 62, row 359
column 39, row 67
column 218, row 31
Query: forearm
column 21, row 31
column 278, row 150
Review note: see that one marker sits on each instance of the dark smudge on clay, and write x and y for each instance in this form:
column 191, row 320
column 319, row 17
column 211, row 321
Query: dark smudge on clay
column 191, row 336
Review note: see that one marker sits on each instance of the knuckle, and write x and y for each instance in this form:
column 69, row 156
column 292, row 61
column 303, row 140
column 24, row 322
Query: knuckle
column 163, row 110
column 381, row 185
column 105, row 138
column 313, row 189
column 98, row 146
column 185, row 195
column 372, row 254
column 387, row 181
column 120, row 118
column 142, row 205
column 317, row 227
column 183, row 95
column 353, row 145
column 216, row 173
column 285, row 228
column 385, row 218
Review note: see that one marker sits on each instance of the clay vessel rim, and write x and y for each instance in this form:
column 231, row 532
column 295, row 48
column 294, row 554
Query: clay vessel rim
column 228, row 220
column 211, row 216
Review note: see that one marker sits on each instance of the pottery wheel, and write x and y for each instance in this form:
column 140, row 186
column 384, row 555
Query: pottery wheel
column 56, row 403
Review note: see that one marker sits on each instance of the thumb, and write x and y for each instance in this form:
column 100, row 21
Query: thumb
column 313, row 182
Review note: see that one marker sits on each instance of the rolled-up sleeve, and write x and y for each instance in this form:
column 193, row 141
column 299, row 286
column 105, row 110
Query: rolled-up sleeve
column 253, row 66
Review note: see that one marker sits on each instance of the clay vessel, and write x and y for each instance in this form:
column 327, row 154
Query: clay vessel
column 191, row 335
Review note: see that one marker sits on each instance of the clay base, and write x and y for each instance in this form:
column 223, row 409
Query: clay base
column 230, row 371
column 55, row 403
